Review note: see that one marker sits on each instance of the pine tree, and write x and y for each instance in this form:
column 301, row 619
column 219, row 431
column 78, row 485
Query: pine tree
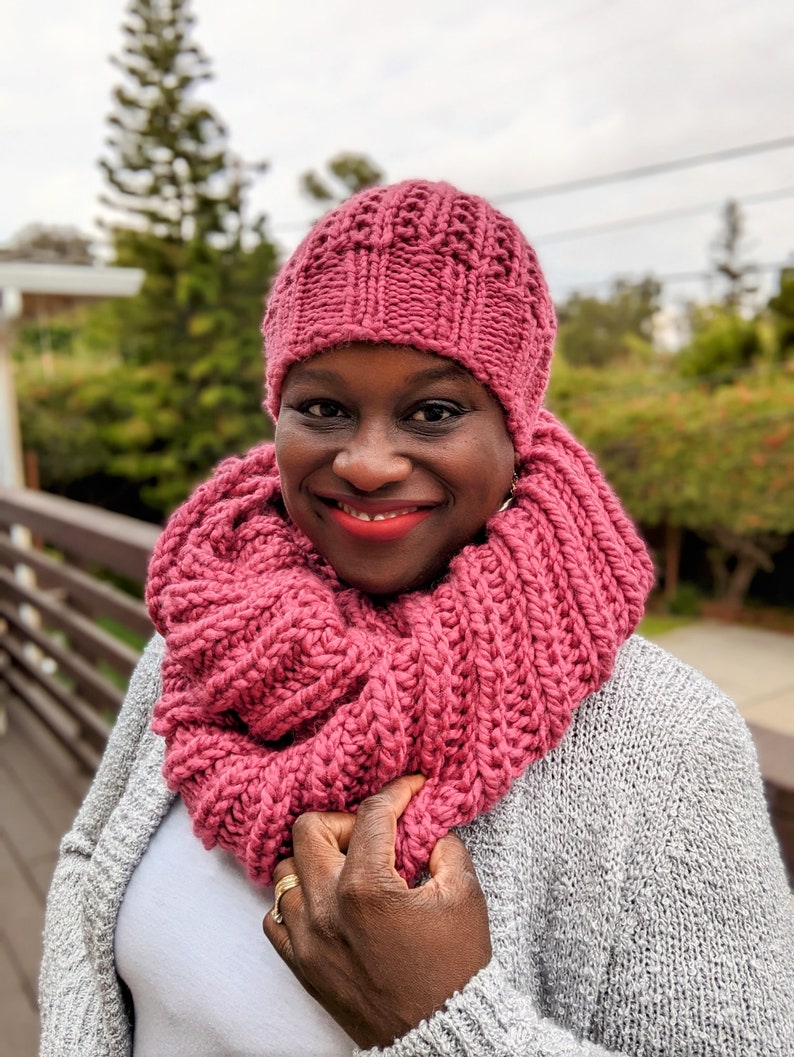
column 167, row 161
column 738, row 275
column 189, row 342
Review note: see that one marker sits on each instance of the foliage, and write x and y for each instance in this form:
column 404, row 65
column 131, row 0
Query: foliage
column 119, row 437
column 159, row 387
column 686, row 601
column 347, row 174
column 700, row 458
column 571, row 387
column 726, row 339
column 719, row 462
column 193, row 332
column 595, row 332
column 726, row 344
column 722, row 345
column 53, row 404
column 44, row 336
column 781, row 307
column 49, row 244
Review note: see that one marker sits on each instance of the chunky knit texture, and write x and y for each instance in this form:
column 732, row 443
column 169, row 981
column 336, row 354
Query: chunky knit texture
column 424, row 265
column 636, row 898
column 285, row 691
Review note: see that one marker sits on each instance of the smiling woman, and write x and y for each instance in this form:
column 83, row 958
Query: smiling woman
column 390, row 460
column 397, row 697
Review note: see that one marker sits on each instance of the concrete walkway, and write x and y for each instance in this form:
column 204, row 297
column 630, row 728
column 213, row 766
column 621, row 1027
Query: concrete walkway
column 756, row 668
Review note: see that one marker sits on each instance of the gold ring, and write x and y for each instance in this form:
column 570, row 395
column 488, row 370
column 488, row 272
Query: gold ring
column 290, row 880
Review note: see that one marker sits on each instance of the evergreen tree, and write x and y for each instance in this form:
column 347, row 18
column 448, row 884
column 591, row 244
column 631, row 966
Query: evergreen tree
column 595, row 332
column 189, row 345
column 166, row 159
column 736, row 274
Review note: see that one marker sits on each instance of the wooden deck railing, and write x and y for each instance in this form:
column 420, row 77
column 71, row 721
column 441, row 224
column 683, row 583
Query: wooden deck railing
column 70, row 639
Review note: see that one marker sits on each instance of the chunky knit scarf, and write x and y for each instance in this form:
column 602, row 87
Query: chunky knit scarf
column 285, row 691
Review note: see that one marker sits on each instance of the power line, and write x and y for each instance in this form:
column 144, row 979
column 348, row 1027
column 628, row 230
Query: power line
column 672, row 277
column 691, row 162
column 656, row 218
column 567, row 186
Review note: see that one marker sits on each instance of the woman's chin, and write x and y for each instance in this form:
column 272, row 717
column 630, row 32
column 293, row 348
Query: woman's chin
column 385, row 585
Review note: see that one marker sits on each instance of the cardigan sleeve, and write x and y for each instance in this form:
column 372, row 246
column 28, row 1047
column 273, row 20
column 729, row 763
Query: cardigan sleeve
column 701, row 965
column 70, row 997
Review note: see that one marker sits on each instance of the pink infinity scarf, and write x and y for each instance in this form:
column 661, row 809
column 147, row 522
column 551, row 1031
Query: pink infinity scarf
column 285, row 691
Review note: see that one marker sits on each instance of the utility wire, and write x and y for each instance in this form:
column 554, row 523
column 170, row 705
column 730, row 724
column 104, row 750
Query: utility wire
column 672, row 277
column 642, row 219
column 691, row 162
column 567, row 186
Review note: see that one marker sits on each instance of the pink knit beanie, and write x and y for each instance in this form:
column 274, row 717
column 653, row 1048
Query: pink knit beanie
column 424, row 265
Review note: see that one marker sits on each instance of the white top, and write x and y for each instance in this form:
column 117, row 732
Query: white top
column 203, row 976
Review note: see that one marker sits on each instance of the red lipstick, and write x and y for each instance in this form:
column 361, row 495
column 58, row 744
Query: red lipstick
column 391, row 524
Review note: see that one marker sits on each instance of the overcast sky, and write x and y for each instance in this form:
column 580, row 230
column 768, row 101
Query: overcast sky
column 494, row 95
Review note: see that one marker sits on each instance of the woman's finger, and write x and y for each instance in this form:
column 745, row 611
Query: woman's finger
column 371, row 847
column 279, row 937
column 450, row 863
column 317, row 828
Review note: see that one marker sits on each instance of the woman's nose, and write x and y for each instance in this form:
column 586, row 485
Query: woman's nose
column 369, row 460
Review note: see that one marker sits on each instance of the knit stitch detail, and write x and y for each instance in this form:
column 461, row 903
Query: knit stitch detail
column 285, row 691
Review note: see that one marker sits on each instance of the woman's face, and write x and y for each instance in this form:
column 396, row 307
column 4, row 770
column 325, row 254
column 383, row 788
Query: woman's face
column 391, row 460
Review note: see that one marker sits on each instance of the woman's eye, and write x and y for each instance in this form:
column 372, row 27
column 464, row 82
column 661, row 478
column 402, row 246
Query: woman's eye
column 435, row 412
column 321, row 409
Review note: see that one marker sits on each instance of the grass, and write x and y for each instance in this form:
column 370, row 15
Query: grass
column 655, row 624
column 125, row 635
column 131, row 638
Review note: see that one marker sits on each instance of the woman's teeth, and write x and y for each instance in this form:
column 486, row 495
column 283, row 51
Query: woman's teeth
column 376, row 517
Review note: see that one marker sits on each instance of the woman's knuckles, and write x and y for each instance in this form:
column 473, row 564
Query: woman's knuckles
column 307, row 827
column 369, row 896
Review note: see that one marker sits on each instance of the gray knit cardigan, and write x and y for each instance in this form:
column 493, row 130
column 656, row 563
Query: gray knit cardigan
column 636, row 896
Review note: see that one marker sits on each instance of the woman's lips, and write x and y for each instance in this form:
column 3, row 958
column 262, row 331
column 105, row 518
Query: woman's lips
column 382, row 526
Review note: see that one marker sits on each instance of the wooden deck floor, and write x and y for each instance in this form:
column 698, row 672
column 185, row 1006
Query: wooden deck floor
column 40, row 790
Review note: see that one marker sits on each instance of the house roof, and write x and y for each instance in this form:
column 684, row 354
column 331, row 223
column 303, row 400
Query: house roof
column 71, row 280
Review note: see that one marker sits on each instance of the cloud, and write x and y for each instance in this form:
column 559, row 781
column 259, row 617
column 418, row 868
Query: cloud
column 493, row 96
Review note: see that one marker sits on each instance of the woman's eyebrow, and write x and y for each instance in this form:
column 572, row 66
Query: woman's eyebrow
column 316, row 374
column 435, row 374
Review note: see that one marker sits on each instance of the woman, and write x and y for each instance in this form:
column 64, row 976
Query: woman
column 414, row 614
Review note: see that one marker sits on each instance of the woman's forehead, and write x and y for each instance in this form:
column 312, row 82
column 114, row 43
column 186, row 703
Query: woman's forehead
column 414, row 365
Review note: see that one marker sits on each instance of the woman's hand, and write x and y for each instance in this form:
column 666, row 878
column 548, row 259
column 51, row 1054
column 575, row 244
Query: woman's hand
column 380, row 957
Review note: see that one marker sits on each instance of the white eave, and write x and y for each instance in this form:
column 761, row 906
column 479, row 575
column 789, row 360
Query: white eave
column 70, row 280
